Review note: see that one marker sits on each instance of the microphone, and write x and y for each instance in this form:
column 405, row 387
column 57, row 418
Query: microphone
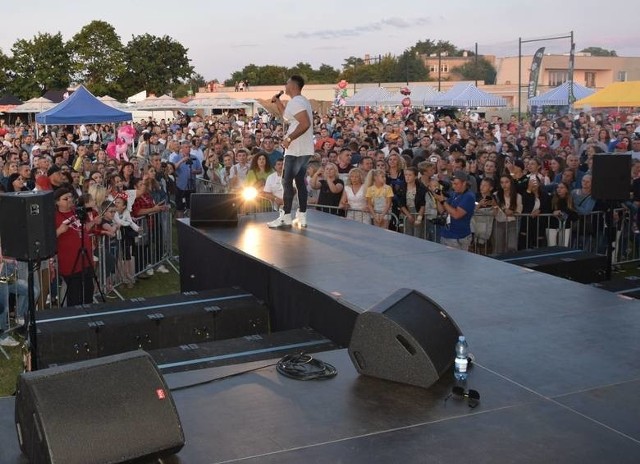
column 277, row 96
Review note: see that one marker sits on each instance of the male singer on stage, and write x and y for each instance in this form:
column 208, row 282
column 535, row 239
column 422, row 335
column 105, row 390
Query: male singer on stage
column 298, row 145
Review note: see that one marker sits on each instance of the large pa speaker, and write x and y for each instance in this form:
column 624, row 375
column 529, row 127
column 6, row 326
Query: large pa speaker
column 406, row 338
column 27, row 225
column 108, row 410
column 214, row 209
column 611, row 178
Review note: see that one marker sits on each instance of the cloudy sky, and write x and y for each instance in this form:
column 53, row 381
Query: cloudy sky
column 223, row 37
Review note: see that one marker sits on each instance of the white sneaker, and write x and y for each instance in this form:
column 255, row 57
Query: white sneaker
column 301, row 219
column 8, row 340
column 283, row 220
column 150, row 271
column 162, row 269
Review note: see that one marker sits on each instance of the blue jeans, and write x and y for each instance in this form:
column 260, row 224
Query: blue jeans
column 22, row 300
column 295, row 168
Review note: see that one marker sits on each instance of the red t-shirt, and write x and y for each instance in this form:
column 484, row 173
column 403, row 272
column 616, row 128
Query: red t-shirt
column 69, row 245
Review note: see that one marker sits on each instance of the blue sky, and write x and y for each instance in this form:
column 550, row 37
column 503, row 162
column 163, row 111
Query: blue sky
column 223, row 37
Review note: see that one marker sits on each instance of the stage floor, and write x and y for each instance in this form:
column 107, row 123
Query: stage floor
column 556, row 362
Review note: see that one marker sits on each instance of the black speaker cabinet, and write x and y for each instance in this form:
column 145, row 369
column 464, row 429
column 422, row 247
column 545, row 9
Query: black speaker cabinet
column 611, row 178
column 107, row 410
column 214, row 209
column 406, row 338
column 27, row 225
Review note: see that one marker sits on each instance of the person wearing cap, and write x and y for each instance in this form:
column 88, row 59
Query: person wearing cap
column 459, row 207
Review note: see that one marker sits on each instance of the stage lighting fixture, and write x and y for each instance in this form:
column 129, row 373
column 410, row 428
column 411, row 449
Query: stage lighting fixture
column 249, row 193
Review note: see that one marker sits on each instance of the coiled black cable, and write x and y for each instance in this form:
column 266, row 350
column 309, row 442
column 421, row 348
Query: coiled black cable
column 302, row 366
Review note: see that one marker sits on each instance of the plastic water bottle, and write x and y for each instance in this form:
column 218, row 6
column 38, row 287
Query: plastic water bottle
column 461, row 362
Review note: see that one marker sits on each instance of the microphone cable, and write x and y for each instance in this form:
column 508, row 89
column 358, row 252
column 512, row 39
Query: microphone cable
column 303, row 366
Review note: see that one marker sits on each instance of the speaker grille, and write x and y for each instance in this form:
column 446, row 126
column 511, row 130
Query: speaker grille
column 406, row 338
column 112, row 409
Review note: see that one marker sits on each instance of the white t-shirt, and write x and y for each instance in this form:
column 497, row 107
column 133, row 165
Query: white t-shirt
column 273, row 185
column 303, row 145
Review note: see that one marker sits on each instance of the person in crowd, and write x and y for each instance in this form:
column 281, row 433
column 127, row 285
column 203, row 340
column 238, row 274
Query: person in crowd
column 145, row 207
column 75, row 258
column 379, row 197
column 259, row 170
column 273, row 190
column 532, row 197
column 128, row 232
column 330, row 187
column 411, row 203
column 16, row 183
column 269, row 147
column 459, row 207
column 187, row 167
column 126, row 174
column 354, row 199
column 239, row 170
column 563, row 213
column 508, row 205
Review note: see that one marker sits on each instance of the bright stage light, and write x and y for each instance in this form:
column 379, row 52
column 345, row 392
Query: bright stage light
column 249, row 193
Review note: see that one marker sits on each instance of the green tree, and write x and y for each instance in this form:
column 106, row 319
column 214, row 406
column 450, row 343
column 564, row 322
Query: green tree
column 40, row 64
column 189, row 86
column 429, row 47
column 483, row 71
column 259, row 75
column 155, row 64
column 5, row 72
column 97, row 57
column 327, row 74
column 597, row 51
column 409, row 68
column 303, row 69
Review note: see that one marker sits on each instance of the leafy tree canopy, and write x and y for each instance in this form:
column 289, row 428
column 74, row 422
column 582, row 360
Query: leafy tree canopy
column 597, row 51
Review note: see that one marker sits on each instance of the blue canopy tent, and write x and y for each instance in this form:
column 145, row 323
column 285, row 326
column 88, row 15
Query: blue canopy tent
column 465, row 95
column 559, row 96
column 82, row 108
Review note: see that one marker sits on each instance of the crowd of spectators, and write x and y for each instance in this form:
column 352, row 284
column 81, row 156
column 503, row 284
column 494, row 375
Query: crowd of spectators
column 377, row 167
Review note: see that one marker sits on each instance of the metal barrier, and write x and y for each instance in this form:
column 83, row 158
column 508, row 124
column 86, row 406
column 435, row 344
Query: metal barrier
column 208, row 186
column 493, row 236
column 121, row 259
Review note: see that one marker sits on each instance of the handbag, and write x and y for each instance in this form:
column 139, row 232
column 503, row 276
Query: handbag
column 129, row 233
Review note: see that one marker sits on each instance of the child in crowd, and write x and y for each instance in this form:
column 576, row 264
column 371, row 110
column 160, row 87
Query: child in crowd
column 109, row 230
column 128, row 232
column 379, row 197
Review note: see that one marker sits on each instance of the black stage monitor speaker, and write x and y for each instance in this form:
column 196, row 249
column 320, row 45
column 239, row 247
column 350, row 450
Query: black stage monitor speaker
column 406, row 338
column 27, row 225
column 108, row 410
column 214, row 209
column 611, row 178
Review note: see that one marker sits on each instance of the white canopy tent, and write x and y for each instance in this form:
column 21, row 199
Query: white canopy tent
column 369, row 96
column 35, row 105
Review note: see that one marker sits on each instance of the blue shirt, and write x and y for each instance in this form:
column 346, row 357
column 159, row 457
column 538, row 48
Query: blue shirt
column 183, row 172
column 460, row 228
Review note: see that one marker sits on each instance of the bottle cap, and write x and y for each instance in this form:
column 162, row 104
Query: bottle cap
column 461, row 338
